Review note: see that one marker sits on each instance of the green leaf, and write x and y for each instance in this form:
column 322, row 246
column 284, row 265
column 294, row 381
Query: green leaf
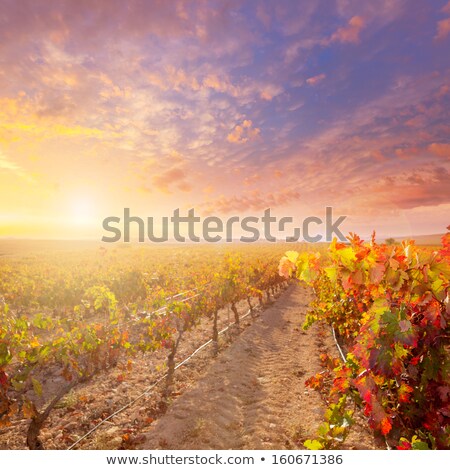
column 37, row 387
column 5, row 355
column 17, row 385
column 437, row 287
column 417, row 444
column 441, row 268
column 45, row 351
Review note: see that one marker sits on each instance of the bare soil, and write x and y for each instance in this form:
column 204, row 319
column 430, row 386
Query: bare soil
column 251, row 396
column 254, row 396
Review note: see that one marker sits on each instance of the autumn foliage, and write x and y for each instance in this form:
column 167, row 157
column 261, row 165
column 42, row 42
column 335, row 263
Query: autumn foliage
column 70, row 319
column 389, row 306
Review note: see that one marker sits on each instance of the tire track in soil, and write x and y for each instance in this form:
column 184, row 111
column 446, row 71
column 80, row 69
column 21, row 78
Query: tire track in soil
column 253, row 395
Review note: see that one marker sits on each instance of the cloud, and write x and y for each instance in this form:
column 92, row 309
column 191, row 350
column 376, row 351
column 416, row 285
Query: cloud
column 443, row 29
column 419, row 188
column 8, row 165
column 443, row 26
column 215, row 83
column 209, row 189
column 254, row 200
column 263, row 15
column 378, row 155
column 408, row 152
column 243, row 133
column 379, row 13
column 270, row 91
column 184, row 75
column 170, row 180
column 446, row 8
column 168, row 174
column 441, row 150
column 251, row 180
column 174, row 78
column 351, row 32
column 316, row 79
column 24, row 118
column 180, row 80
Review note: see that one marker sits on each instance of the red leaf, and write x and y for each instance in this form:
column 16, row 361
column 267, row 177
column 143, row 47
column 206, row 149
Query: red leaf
column 3, row 378
column 386, row 426
column 405, row 445
column 404, row 393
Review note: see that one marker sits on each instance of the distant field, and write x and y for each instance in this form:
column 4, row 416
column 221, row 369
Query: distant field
column 423, row 240
column 11, row 247
column 15, row 247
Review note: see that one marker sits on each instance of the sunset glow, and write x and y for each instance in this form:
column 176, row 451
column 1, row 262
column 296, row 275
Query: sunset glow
column 226, row 106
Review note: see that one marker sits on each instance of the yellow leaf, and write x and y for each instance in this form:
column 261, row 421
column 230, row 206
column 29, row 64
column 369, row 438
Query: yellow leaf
column 313, row 444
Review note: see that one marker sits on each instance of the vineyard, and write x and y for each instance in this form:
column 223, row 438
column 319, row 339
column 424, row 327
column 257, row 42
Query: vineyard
column 67, row 317
column 87, row 334
column 388, row 307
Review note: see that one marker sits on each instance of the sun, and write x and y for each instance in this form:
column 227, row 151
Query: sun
column 82, row 210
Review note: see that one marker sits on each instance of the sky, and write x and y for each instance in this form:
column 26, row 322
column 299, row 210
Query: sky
column 228, row 107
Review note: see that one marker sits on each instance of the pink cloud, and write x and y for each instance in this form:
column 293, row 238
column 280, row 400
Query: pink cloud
column 407, row 152
column 414, row 189
column 441, row 150
column 243, row 133
column 349, row 33
column 173, row 178
column 443, row 29
column 263, row 15
column 446, row 8
column 316, row 79
column 443, row 26
column 378, row 156
column 254, row 200
column 251, row 180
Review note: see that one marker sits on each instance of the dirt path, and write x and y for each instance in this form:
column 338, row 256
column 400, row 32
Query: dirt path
column 253, row 395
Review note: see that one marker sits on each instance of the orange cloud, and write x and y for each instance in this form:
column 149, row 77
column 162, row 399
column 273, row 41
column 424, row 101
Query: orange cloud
column 243, row 133
column 443, row 26
column 208, row 189
column 221, row 85
column 167, row 174
column 446, row 8
column 441, row 150
column 407, row 152
column 268, row 92
column 443, row 90
column 178, row 79
column 20, row 118
column 316, row 79
column 250, row 180
column 443, row 29
column 174, row 79
column 170, row 179
column 423, row 187
column 378, row 156
column 254, row 200
column 351, row 32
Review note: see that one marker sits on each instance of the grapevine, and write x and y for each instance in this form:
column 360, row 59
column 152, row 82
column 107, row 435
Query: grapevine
column 389, row 305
